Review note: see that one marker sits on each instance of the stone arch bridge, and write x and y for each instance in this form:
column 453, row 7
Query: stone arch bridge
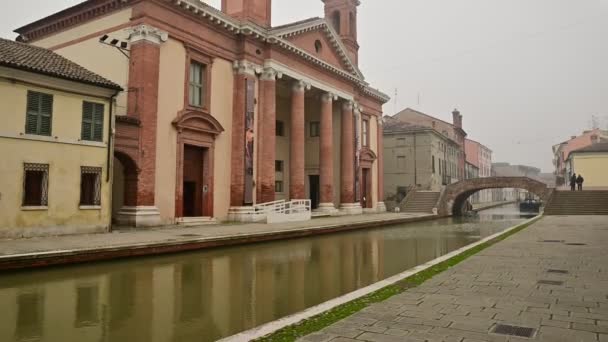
column 454, row 197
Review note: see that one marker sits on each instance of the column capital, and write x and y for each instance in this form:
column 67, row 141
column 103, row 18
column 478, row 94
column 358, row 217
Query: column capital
column 147, row 33
column 380, row 120
column 329, row 96
column 347, row 105
column 271, row 74
column 300, row 85
column 244, row 67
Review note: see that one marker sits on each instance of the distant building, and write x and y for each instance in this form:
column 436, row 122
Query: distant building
column 453, row 131
column 417, row 156
column 56, row 144
column 508, row 170
column 592, row 163
column 561, row 151
column 471, row 171
column 480, row 156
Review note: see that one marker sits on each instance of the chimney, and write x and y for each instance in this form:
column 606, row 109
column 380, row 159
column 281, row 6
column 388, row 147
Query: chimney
column 257, row 11
column 457, row 118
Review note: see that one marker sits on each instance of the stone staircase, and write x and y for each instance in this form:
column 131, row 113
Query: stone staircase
column 578, row 203
column 420, row 202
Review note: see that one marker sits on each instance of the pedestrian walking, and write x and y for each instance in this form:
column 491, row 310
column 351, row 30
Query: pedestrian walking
column 579, row 181
column 573, row 182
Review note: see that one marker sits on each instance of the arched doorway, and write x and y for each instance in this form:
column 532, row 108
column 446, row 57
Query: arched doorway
column 367, row 159
column 195, row 156
column 124, row 185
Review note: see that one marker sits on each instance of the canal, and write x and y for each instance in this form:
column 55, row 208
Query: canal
column 208, row 295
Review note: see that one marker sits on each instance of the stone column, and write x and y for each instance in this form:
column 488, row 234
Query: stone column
column 297, row 143
column 380, row 153
column 347, row 167
column 267, row 137
column 142, row 103
column 326, row 155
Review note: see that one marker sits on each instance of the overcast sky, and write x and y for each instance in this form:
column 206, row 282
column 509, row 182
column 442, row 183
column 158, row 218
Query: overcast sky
column 526, row 74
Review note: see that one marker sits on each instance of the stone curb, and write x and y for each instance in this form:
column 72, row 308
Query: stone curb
column 74, row 256
column 274, row 326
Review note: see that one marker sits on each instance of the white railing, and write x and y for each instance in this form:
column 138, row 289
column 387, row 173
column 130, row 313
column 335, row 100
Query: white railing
column 292, row 211
column 275, row 212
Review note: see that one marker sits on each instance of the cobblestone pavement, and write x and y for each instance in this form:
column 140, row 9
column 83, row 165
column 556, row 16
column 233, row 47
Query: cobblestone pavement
column 500, row 285
column 173, row 234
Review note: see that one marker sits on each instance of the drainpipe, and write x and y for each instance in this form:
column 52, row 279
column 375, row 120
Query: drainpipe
column 415, row 164
column 110, row 155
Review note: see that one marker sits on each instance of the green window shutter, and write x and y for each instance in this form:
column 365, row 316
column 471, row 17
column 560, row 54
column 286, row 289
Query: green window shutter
column 92, row 121
column 39, row 115
column 87, row 121
column 46, row 114
column 98, row 122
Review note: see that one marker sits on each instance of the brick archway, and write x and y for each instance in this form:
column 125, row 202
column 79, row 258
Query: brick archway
column 131, row 174
column 455, row 195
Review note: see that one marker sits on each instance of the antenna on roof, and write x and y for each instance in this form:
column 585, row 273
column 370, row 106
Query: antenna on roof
column 418, row 99
column 396, row 94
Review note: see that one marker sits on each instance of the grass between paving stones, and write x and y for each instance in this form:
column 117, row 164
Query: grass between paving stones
column 316, row 323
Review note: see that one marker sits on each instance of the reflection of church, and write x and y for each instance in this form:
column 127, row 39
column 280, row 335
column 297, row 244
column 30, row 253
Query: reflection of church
column 224, row 111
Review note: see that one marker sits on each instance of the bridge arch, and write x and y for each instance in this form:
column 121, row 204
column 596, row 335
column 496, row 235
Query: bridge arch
column 455, row 195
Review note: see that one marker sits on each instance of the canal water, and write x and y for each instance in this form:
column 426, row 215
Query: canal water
column 208, row 295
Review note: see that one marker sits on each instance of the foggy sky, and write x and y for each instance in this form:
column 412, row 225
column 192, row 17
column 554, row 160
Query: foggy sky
column 526, row 74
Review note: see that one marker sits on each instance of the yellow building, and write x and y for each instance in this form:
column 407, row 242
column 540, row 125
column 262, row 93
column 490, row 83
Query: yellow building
column 56, row 144
column 592, row 163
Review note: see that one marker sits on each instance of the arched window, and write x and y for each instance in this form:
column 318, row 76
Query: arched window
column 353, row 25
column 335, row 20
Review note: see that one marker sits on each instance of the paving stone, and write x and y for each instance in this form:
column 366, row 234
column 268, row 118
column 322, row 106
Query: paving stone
column 373, row 328
column 396, row 332
column 557, row 324
column 373, row 337
column 343, row 332
column 553, row 334
column 603, row 337
column 318, row 337
column 590, row 327
column 572, row 319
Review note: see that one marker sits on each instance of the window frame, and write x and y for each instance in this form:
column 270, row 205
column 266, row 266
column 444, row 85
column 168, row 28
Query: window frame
column 87, row 170
column 281, row 124
column 279, row 186
column 38, row 114
column 44, row 186
column 93, row 122
column 195, row 56
column 316, row 132
column 365, row 128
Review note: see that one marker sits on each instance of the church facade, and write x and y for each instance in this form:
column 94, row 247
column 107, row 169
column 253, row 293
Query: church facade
column 222, row 111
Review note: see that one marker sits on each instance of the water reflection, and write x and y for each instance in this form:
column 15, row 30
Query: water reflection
column 208, row 295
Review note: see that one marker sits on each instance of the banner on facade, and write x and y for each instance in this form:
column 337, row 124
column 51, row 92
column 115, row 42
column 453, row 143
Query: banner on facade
column 249, row 140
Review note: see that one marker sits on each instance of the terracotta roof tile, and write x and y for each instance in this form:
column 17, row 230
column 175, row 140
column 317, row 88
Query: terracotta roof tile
column 598, row 147
column 35, row 59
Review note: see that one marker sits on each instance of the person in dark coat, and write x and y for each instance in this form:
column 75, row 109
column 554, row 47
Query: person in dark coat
column 573, row 182
column 580, row 180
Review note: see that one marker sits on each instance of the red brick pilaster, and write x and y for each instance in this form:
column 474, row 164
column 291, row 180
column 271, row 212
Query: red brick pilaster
column 326, row 156
column 297, row 143
column 237, row 186
column 347, row 166
column 380, row 160
column 267, row 137
column 143, row 103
